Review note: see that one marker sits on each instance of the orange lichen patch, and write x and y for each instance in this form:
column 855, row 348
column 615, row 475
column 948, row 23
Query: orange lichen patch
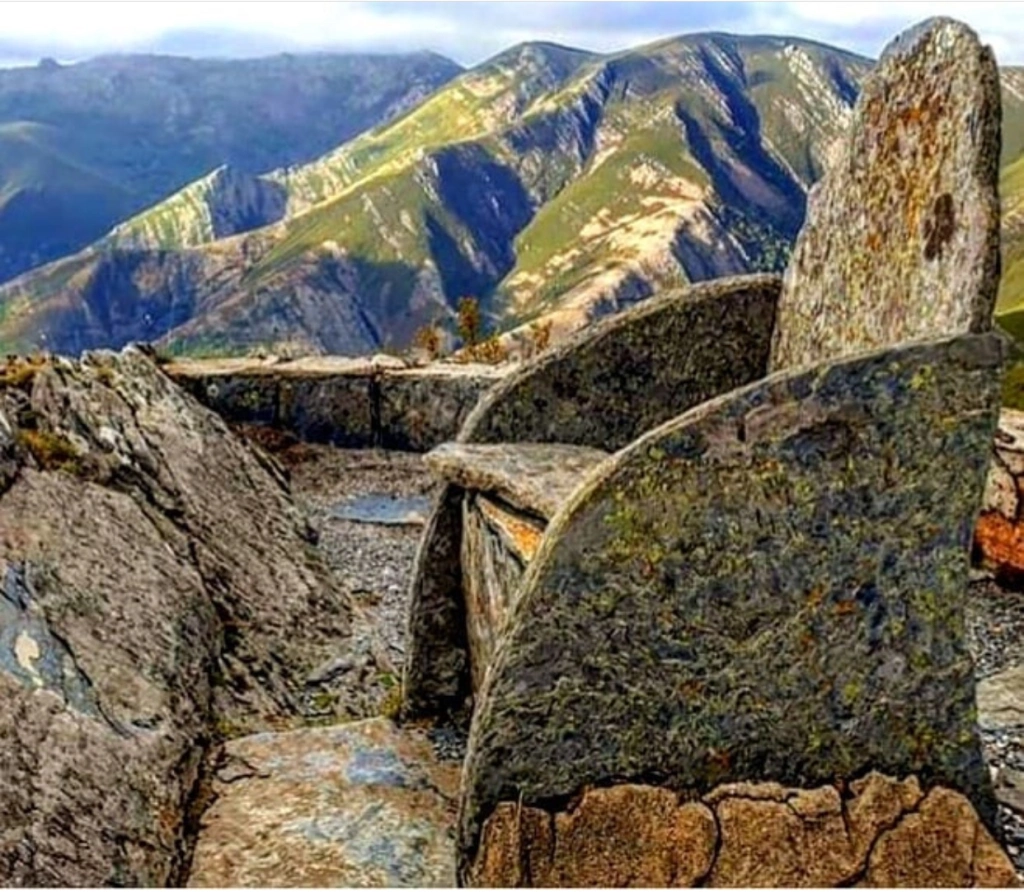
column 521, row 534
column 1000, row 541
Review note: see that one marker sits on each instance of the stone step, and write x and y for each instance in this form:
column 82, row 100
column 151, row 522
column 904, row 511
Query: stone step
column 359, row 805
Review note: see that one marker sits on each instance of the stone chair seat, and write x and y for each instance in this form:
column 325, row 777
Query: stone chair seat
column 533, row 479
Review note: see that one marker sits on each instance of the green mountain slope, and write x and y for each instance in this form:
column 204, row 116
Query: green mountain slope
column 39, row 185
column 547, row 178
column 84, row 146
column 548, row 182
column 1011, row 293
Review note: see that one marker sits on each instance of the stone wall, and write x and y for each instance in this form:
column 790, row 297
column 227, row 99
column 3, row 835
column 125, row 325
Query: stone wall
column 354, row 403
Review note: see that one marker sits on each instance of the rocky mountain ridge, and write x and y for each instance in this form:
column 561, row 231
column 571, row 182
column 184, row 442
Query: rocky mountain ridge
column 549, row 183
column 85, row 146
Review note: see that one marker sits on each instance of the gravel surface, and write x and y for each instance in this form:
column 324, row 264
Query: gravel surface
column 376, row 560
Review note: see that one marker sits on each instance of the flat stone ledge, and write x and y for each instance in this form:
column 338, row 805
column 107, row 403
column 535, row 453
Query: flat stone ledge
column 534, row 477
column 357, row 805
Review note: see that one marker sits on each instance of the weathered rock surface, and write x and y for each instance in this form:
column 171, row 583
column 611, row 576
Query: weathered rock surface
column 877, row 832
column 491, row 574
column 537, row 478
column 1001, row 698
column 355, row 403
column 159, row 589
column 601, row 389
column 901, row 239
column 357, row 805
column 626, row 374
column 783, row 603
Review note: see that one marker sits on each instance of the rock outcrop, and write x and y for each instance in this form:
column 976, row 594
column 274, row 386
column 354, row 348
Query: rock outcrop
column 158, row 591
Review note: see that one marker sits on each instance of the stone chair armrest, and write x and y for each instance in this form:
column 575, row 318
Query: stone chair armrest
column 630, row 372
column 769, row 585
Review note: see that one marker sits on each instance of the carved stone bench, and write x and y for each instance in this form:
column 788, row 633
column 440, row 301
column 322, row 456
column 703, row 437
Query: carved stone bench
column 714, row 551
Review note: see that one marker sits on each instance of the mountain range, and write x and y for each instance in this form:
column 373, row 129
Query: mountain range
column 549, row 183
column 83, row 147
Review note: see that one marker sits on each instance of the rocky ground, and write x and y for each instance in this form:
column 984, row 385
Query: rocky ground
column 376, row 560
column 273, row 818
column 356, row 804
column 996, row 628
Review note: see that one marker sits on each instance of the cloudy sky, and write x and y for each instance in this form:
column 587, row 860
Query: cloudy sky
column 468, row 32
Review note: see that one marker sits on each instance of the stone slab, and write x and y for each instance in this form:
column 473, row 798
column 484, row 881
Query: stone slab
column 537, row 478
column 358, row 806
column 619, row 377
column 626, row 374
column 352, row 403
column 1001, row 699
column 901, row 238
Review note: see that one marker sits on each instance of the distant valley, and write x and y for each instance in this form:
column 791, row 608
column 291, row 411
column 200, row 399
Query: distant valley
column 549, row 183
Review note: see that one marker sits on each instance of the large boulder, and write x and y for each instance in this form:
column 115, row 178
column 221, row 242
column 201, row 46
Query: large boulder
column 158, row 591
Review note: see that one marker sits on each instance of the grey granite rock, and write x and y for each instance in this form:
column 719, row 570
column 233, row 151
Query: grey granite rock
column 354, row 403
column 154, row 574
column 436, row 675
column 770, row 586
column 1001, row 698
column 358, row 805
column 334, row 409
column 901, row 239
column 419, row 408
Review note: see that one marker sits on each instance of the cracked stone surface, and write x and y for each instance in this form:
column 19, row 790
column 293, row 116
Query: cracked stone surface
column 878, row 831
column 357, row 805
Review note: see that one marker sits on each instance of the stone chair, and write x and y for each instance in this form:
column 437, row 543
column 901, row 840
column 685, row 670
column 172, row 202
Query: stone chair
column 723, row 537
